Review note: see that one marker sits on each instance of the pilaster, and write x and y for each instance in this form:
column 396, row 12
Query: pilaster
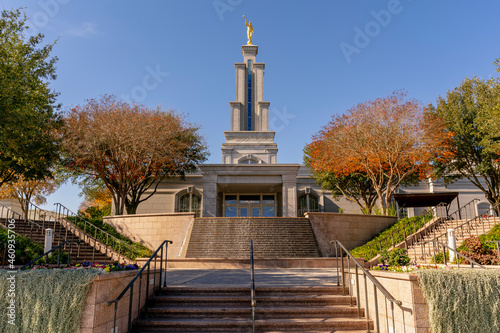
column 289, row 195
column 209, row 195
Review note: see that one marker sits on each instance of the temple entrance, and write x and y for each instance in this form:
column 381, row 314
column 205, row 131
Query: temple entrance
column 250, row 205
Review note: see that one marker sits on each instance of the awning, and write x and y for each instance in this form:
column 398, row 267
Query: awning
column 424, row 199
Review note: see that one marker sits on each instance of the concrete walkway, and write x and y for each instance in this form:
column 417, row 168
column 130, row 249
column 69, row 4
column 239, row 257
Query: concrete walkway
column 263, row 277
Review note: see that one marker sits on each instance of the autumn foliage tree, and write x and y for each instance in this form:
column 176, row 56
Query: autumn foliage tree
column 26, row 191
column 390, row 140
column 130, row 147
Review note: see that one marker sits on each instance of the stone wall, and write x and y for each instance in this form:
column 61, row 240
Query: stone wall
column 152, row 229
column 351, row 230
column 98, row 316
column 411, row 317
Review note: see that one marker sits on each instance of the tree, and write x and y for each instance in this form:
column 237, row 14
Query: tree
column 26, row 191
column 131, row 148
column 471, row 112
column 355, row 187
column 97, row 197
column 390, row 140
column 28, row 119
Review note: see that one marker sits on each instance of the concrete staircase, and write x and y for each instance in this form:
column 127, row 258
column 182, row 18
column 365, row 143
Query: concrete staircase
column 272, row 237
column 85, row 253
column 227, row 309
column 476, row 227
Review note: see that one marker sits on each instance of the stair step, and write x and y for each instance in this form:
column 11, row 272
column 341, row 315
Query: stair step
column 225, row 324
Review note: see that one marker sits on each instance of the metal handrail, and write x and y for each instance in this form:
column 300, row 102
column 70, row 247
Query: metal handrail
column 366, row 274
column 463, row 208
column 393, row 237
column 469, row 224
column 457, row 254
column 58, row 247
column 52, row 219
column 130, row 286
column 252, row 293
column 26, row 219
column 109, row 240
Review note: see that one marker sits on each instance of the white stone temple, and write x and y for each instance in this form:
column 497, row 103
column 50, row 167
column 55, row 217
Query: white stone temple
column 251, row 183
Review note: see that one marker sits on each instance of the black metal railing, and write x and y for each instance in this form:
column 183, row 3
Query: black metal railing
column 130, row 287
column 92, row 234
column 473, row 227
column 59, row 248
column 400, row 235
column 457, row 254
column 413, row 234
column 377, row 286
column 252, row 286
column 8, row 214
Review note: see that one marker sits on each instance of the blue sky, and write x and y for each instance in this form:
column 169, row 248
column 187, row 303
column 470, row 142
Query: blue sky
column 322, row 57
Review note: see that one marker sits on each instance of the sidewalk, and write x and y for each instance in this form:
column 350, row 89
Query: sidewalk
column 263, row 277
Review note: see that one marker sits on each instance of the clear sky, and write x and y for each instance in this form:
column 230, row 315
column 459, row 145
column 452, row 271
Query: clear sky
column 322, row 56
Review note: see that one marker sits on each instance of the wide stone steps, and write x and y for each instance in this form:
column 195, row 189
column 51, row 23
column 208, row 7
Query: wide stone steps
column 423, row 255
column 279, row 309
column 272, row 238
column 84, row 253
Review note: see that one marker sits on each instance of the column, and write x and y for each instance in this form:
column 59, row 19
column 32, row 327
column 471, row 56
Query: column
column 209, row 195
column 240, row 69
column 289, row 195
column 235, row 115
column 264, row 115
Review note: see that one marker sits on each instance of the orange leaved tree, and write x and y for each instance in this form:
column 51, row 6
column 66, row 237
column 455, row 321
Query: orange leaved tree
column 391, row 140
column 130, row 147
column 26, row 191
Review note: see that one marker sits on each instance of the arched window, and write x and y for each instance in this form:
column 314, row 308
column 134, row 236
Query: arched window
column 307, row 203
column 248, row 161
column 190, row 202
column 484, row 209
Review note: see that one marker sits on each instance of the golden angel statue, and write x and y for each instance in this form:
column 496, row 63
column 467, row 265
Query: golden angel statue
column 249, row 31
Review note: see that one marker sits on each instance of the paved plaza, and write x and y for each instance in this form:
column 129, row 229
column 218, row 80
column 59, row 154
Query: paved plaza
column 263, row 277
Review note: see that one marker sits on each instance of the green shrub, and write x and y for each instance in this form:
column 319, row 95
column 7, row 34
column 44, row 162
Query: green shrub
column 372, row 248
column 132, row 250
column 396, row 257
column 438, row 258
column 27, row 250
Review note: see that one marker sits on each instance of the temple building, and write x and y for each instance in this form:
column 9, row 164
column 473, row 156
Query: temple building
column 251, row 183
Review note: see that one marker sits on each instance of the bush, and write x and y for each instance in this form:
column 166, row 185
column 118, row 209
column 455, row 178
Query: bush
column 372, row 248
column 396, row 257
column 27, row 250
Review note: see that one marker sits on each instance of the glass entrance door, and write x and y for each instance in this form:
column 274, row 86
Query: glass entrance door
column 249, row 205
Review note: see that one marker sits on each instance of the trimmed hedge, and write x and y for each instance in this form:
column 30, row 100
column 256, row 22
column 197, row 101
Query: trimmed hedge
column 462, row 300
column 46, row 301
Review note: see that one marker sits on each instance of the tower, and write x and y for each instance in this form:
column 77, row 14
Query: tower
column 249, row 141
